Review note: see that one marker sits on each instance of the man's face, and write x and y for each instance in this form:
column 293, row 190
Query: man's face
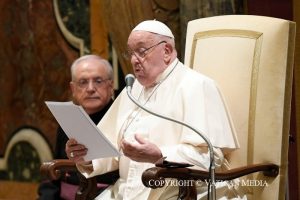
column 91, row 87
column 146, row 64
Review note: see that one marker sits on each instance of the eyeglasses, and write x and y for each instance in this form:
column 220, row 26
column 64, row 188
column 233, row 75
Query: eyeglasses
column 97, row 83
column 141, row 52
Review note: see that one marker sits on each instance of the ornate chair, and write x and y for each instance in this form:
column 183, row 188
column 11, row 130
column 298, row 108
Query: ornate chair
column 251, row 59
column 55, row 169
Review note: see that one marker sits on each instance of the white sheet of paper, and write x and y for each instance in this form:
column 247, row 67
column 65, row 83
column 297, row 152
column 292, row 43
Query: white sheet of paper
column 78, row 125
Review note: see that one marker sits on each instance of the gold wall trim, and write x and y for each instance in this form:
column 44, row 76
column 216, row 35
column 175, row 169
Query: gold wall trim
column 34, row 138
column 257, row 36
column 76, row 42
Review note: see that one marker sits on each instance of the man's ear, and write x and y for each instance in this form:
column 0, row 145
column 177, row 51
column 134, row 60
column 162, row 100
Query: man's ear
column 72, row 87
column 168, row 52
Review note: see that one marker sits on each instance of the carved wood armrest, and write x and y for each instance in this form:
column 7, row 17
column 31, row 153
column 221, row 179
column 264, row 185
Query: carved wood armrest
column 160, row 173
column 53, row 169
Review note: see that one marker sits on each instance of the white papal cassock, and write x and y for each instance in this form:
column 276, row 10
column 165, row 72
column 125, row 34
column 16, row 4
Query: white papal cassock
column 182, row 94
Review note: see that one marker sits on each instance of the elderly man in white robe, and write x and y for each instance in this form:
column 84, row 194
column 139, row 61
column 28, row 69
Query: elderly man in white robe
column 164, row 85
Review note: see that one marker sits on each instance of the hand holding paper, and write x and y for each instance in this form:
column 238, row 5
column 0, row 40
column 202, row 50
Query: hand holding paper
column 77, row 124
column 75, row 151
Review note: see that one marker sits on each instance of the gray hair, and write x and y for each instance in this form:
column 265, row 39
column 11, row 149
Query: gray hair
column 94, row 57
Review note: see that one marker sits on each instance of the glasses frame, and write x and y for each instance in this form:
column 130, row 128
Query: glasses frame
column 142, row 54
column 85, row 85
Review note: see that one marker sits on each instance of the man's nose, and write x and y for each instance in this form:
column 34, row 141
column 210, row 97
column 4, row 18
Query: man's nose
column 135, row 58
column 90, row 86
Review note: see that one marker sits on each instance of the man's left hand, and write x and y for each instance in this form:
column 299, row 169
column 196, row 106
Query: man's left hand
column 142, row 151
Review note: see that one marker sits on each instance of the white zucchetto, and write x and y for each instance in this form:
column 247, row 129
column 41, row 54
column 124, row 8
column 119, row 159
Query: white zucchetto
column 154, row 26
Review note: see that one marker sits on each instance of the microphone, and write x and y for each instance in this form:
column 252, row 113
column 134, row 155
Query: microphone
column 129, row 79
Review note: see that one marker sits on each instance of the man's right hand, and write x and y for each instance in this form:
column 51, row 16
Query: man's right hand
column 75, row 151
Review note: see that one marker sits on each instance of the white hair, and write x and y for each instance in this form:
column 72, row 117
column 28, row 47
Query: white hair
column 92, row 57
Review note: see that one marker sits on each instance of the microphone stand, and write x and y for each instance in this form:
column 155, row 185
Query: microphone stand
column 212, row 186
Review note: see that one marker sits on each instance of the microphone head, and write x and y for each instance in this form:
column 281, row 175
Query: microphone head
column 129, row 80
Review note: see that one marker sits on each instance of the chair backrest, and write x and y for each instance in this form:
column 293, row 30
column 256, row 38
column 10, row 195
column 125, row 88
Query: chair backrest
column 251, row 59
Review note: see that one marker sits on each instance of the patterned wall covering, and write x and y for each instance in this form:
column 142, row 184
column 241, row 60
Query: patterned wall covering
column 34, row 67
column 76, row 17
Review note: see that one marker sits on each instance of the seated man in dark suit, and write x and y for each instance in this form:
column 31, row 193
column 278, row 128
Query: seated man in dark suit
column 92, row 88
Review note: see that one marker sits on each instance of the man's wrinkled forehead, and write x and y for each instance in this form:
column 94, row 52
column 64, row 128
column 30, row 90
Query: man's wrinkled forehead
column 138, row 38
